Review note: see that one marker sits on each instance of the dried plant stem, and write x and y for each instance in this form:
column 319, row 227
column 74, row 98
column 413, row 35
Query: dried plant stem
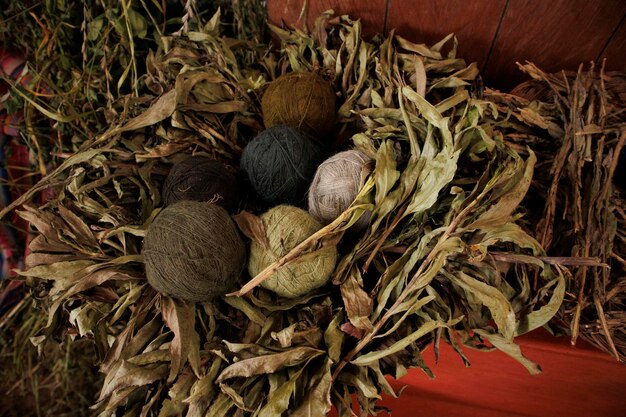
column 409, row 288
column 605, row 326
column 384, row 236
column 551, row 260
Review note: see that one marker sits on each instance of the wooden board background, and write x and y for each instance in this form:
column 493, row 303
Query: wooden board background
column 554, row 34
column 371, row 12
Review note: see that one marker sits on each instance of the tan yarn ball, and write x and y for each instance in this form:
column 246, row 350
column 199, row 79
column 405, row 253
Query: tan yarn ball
column 336, row 184
column 302, row 100
column 285, row 228
column 193, row 251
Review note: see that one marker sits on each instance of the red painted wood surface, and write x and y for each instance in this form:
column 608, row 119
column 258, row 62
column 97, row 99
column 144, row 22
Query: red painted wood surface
column 371, row 12
column 473, row 22
column 555, row 35
column 576, row 381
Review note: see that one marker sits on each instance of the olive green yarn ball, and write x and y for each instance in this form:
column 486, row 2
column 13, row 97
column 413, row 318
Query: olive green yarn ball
column 193, row 251
column 285, row 228
column 303, row 100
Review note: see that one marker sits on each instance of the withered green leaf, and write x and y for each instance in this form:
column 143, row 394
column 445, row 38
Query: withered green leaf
column 511, row 349
column 500, row 212
column 490, row 297
column 278, row 400
column 385, row 172
column 372, row 357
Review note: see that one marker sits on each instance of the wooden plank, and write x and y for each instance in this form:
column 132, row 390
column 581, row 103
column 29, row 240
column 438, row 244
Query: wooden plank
column 428, row 21
column 615, row 52
column 372, row 12
column 555, row 35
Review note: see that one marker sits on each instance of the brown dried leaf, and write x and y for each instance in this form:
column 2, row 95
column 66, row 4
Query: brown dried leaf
column 223, row 107
column 317, row 403
column 129, row 375
column 252, row 226
column 357, row 303
column 180, row 317
column 82, row 234
column 203, row 390
column 162, row 108
column 267, row 364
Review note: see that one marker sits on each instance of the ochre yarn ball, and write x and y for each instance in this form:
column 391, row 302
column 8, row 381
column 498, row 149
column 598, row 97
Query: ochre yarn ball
column 193, row 251
column 285, row 228
column 300, row 99
column 336, row 184
column 199, row 178
column 280, row 163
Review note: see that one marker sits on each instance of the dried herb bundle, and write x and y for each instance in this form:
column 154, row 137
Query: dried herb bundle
column 43, row 376
column 576, row 124
column 442, row 259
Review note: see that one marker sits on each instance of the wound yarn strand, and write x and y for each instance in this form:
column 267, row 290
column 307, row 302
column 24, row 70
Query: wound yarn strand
column 199, row 178
column 336, row 184
column 193, row 251
column 302, row 100
column 285, row 228
column 280, row 163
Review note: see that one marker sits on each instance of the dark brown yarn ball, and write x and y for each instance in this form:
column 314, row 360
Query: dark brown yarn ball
column 302, row 100
column 193, row 251
column 199, row 178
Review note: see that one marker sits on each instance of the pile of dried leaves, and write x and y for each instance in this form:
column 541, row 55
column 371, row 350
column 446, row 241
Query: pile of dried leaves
column 49, row 379
column 576, row 124
column 443, row 258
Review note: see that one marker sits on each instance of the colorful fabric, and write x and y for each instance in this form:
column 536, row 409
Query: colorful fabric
column 13, row 158
column 11, row 249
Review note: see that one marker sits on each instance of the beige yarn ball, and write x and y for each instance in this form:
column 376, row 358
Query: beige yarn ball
column 336, row 184
column 285, row 228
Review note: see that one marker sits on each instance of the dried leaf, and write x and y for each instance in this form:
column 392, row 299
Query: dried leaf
column 180, row 317
column 490, row 297
column 317, row 403
column 267, row 364
column 162, row 108
column 385, row 172
column 333, row 337
column 510, row 349
column 372, row 357
column 252, row 226
column 278, row 400
column 500, row 212
column 358, row 304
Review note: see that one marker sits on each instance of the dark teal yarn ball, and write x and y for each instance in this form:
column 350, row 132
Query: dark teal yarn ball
column 280, row 164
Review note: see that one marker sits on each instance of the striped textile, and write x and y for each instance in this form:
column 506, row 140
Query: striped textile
column 13, row 156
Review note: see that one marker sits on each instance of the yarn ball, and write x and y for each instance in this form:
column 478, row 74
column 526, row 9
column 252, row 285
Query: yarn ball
column 336, row 184
column 300, row 99
column 199, row 178
column 193, row 251
column 285, row 228
column 280, row 163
